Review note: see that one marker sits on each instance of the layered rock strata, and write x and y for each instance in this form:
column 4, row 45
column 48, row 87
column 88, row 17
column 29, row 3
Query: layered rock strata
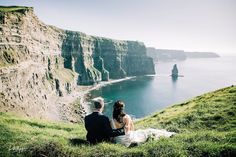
column 41, row 63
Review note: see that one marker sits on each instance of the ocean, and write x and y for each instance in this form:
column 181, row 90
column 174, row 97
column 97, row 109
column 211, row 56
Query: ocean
column 148, row 94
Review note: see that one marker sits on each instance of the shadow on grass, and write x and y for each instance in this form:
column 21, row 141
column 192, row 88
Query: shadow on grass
column 78, row 142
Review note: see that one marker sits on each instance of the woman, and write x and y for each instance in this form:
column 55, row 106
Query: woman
column 121, row 119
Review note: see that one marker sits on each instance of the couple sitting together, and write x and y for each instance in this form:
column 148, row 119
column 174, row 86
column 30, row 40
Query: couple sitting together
column 120, row 129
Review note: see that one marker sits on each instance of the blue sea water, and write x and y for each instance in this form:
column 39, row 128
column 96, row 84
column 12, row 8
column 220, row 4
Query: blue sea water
column 148, row 94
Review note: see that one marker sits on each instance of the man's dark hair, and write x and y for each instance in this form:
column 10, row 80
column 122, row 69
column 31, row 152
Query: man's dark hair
column 97, row 105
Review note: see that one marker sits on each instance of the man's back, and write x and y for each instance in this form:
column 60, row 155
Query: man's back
column 98, row 127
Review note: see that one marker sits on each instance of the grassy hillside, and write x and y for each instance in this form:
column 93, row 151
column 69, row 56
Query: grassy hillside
column 206, row 126
column 13, row 8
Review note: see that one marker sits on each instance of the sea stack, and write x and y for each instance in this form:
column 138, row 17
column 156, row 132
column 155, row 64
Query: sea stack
column 175, row 71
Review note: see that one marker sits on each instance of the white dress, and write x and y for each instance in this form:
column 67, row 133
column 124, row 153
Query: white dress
column 140, row 136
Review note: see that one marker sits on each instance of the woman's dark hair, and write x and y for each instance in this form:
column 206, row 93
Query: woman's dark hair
column 118, row 111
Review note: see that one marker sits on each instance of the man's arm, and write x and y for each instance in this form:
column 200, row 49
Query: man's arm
column 113, row 132
column 86, row 123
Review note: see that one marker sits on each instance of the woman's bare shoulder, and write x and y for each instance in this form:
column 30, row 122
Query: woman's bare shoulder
column 127, row 117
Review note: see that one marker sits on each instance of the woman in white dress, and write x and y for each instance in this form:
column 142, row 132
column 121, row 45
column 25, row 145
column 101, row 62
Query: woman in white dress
column 121, row 119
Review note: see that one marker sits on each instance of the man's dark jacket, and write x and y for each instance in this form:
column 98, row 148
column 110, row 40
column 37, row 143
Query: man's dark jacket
column 99, row 129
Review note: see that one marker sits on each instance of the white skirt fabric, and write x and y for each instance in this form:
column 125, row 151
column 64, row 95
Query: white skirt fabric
column 141, row 136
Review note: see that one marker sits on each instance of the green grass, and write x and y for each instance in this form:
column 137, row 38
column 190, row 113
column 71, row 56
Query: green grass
column 13, row 8
column 206, row 126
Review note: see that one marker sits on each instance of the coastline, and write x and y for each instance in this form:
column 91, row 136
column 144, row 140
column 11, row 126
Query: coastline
column 83, row 95
column 75, row 106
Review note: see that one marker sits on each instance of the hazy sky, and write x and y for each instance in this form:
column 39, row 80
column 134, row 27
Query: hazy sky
column 192, row 25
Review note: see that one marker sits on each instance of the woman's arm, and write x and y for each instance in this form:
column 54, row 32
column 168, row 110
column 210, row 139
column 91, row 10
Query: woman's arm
column 129, row 126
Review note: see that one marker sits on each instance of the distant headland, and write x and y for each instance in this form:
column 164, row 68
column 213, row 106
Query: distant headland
column 171, row 55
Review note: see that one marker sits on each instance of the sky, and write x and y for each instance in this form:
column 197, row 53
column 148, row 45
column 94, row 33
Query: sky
column 190, row 25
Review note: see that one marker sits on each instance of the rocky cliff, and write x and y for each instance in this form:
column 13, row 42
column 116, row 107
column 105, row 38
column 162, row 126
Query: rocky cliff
column 99, row 59
column 40, row 64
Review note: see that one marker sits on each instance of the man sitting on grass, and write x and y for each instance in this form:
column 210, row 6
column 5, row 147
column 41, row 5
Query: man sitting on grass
column 98, row 125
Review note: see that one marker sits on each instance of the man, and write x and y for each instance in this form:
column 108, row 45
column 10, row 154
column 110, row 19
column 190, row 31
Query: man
column 98, row 125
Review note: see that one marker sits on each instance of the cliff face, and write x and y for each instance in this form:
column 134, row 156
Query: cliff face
column 32, row 75
column 98, row 59
column 41, row 63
